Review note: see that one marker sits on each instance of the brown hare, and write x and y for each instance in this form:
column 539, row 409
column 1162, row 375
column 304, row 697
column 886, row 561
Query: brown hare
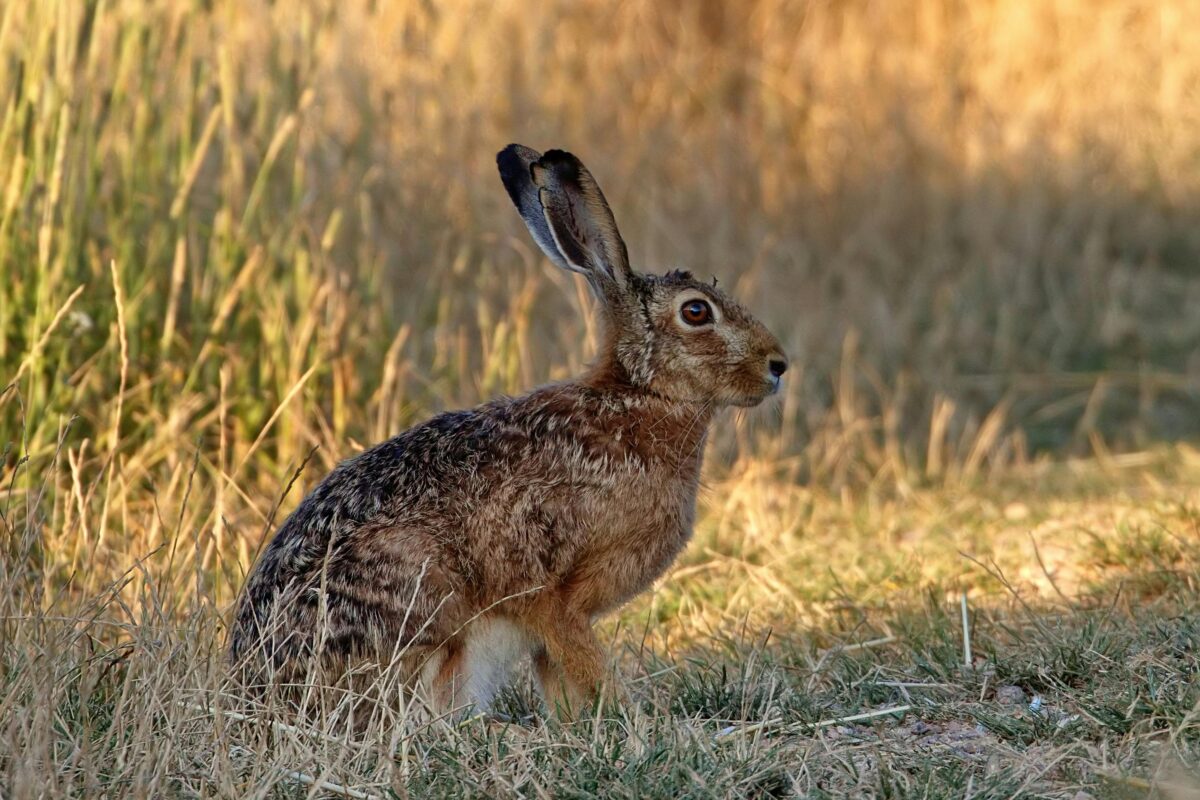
column 483, row 536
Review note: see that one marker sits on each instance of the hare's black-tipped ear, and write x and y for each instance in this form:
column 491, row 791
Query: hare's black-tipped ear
column 515, row 162
column 581, row 222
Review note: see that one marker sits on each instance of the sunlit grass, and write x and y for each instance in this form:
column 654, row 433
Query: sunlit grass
column 240, row 238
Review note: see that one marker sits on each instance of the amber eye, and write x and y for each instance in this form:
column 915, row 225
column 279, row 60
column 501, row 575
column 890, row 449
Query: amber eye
column 696, row 312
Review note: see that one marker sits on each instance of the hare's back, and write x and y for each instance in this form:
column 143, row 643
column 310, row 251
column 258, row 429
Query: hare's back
column 373, row 544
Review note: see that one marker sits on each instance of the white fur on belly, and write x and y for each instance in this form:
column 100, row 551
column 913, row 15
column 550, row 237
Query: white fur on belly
column 492, row 648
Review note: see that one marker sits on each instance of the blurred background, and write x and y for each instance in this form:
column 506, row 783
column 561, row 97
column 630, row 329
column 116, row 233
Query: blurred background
column 242, row 240
column 234, row 231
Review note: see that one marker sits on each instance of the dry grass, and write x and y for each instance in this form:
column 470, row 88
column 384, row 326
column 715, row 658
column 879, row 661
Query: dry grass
column 238, row 237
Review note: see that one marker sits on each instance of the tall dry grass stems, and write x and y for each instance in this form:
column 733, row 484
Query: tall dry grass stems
column 238, row 237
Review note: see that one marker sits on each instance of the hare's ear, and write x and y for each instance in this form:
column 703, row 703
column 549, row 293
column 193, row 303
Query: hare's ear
column 567, row 215
column 581, row 221
column 515, row 163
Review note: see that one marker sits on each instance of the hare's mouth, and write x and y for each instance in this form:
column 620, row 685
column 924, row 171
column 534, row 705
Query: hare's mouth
column 756, row 392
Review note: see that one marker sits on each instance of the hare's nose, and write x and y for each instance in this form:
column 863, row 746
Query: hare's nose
column 777, row 366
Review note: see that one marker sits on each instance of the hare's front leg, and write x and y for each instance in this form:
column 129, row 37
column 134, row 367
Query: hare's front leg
column 570, row 663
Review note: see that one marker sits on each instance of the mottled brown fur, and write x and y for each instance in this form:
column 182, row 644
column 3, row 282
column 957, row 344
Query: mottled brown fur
column 532, row 515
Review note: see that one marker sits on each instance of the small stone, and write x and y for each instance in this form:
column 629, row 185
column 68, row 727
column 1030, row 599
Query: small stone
column 1009, row 695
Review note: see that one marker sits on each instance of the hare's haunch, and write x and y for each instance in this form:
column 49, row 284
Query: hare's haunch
column 482, row 536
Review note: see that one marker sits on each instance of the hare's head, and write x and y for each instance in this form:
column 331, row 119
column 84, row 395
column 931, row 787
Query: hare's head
column 670, row 334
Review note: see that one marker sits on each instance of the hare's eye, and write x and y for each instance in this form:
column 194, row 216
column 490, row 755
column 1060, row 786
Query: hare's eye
column 696, row 312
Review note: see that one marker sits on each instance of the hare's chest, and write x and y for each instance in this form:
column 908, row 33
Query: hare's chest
column 635, row 542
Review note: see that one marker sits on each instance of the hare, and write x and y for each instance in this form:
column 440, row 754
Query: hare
column 484, row 536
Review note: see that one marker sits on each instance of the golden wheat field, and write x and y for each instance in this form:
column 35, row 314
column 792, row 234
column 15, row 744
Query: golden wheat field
column 243, row 240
